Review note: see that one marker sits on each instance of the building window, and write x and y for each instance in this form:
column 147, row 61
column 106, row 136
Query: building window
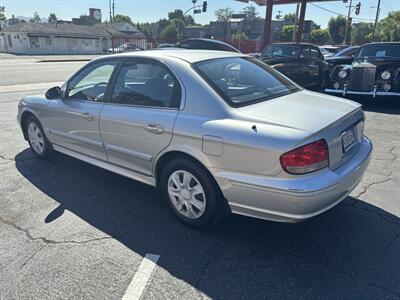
column 34, row 42
column 47, row 41
column 9, row 40
column 97, row 43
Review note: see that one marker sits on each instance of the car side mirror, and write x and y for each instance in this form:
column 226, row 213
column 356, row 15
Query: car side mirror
column 53, row 93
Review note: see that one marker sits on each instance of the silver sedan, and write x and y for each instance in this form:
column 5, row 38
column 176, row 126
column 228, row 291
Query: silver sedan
column 216, row 132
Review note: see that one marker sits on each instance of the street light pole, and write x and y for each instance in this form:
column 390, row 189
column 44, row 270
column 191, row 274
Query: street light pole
column 347, row 23
column 378, row 10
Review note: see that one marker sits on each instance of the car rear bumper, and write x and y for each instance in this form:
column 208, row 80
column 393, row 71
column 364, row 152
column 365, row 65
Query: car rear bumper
column 372, row 93
column 293, row 199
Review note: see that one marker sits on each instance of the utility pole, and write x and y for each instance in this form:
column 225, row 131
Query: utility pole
column 347, row 23
column 109, row 6
column 296, row 19
column 113, row 9
column 378, row 10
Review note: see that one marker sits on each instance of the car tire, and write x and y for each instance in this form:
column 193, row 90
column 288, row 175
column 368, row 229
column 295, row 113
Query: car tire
column 186, row 200
column 37, row 140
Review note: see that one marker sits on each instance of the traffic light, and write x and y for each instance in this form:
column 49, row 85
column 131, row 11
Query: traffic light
column 358, row 7
column 204, row 6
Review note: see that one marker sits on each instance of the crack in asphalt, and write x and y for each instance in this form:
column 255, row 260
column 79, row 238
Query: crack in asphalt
column 365, row 189
column 54, row 242
column 9, row 159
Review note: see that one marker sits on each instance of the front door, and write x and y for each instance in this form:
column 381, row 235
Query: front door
column 73, row 121
column 138, row 122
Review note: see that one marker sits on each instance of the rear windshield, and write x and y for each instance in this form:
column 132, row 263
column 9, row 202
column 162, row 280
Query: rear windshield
column 281, row 51
column 242, row 81
column 380, row 50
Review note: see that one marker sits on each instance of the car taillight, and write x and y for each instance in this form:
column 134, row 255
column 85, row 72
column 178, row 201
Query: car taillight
column 307, row 158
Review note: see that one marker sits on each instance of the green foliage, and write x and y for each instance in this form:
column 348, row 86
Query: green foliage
column 36, row 18
column 224, row 14
column 122, row 19
column 2, row 14
column 287, row 33
column 52, row 18
column 337, row 28
column 362, row 33
column 176, row 14
column 320, row 36
column 239, row 36
column 250, row 11
column 389, row 27
column 169, row 34
column 291, row 17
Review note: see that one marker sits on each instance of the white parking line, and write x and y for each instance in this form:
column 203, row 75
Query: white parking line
column 141, row 277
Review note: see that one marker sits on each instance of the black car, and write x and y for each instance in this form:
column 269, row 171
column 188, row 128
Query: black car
column 374, row 72
column 303, row 63
column 206, row 44
column 343, row 57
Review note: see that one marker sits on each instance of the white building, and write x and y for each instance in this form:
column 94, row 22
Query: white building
column 63, row 38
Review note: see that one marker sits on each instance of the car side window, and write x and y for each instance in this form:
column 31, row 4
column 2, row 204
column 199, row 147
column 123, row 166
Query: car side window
column 91, row 83
column 146, row 83
column 314, row 54
column 305, row 53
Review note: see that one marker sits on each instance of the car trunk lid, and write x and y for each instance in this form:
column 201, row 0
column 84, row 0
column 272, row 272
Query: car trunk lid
column 320, row 116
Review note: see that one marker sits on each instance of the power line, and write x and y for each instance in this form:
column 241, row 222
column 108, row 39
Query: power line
column 339, row 14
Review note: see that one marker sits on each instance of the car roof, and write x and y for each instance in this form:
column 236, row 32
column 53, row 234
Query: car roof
column 381, row 43
column 294, row 44
column 188, row 55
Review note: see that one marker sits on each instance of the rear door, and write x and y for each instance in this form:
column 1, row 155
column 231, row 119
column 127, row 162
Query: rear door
column 73, row 120
column 138, row 121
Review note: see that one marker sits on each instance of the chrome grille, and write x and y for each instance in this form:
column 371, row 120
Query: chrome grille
column 363, row 77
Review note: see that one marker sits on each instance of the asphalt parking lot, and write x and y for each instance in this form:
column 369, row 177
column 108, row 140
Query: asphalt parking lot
column 72, row 230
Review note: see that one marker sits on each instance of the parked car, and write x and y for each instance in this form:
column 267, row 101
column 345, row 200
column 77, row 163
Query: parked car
column 126, row 47
column 215, row 131
column 303, row 63
column 206, row 44
column 343, row 57
column 326, row 53
column 374, row 72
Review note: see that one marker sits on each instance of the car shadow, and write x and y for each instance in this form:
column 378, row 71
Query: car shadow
column 351, row 251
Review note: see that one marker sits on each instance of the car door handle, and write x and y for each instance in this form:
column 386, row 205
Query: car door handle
column 88, row 116
column 154, row 128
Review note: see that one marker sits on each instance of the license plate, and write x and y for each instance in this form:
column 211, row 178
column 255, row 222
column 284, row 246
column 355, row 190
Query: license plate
column 348, row 139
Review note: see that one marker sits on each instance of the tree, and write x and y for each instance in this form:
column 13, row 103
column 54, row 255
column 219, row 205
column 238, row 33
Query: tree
column 36, row 18
column 169, row 34
column 239, row 36
column 2, row 16
column 337, row 28
column 362, row 33
column 224, row 14
column 389, row 27
column 52, row 18
column 290, row 17
column 176, row 14
column 122, row 19
column 250, row 11
column 287, row 33
column 320, row 36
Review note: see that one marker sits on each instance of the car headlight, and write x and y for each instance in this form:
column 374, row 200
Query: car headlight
column 385, row 75
column 342, row 73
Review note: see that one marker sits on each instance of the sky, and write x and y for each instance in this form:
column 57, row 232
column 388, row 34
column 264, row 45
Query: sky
column 153, row 10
